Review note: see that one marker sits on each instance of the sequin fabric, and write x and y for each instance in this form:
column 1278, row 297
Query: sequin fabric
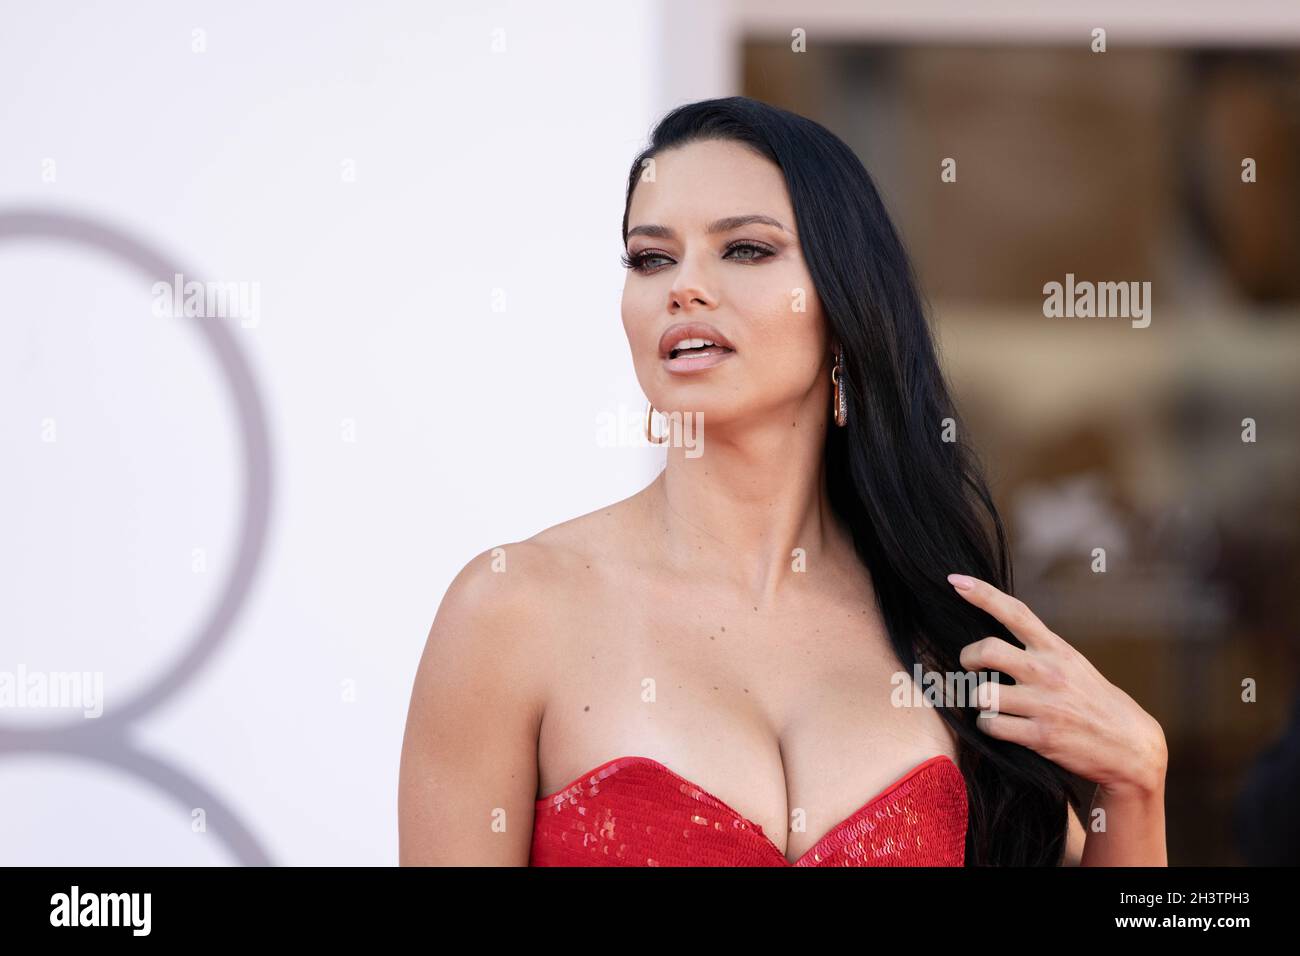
column 634, row 811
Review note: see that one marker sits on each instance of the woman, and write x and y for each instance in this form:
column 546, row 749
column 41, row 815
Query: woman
column 706, row 672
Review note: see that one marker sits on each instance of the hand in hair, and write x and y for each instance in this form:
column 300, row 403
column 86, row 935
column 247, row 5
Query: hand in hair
column 1061, row 706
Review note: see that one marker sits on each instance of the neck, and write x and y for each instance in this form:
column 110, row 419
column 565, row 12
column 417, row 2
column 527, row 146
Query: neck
column 738, row 511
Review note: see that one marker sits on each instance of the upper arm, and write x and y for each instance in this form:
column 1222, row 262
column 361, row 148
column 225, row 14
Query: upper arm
column 1075, row 836
column 468, row 776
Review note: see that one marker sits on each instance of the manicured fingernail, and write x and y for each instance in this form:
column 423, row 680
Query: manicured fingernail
column 961, row 581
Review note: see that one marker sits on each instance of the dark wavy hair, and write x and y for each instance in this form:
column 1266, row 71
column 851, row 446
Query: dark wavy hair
column 917, row 506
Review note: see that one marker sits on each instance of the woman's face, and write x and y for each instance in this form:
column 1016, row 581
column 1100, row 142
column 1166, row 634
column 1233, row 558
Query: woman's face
column 747, row 282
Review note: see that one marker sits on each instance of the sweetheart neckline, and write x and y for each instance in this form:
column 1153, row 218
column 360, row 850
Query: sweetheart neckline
column 847, row 821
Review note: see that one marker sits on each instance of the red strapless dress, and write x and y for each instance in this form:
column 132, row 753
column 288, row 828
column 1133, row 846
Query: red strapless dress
column 634, row 811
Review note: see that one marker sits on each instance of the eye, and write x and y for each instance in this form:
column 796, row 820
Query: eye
column 746, row 251
column 754, row 250
column 641, row 261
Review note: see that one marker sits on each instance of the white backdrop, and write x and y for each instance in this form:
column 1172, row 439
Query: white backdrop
column 422, row 201
column 425, row 200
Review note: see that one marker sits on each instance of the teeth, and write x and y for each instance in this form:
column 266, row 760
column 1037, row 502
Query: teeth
column 693, row 343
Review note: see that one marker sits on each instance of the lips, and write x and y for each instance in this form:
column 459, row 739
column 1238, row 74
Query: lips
column 684, row 332
column 691, row 362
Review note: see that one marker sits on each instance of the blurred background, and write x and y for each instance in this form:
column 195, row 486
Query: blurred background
column 228, row 528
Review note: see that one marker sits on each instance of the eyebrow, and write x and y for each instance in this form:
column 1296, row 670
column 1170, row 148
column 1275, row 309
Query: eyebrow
column 718, row 225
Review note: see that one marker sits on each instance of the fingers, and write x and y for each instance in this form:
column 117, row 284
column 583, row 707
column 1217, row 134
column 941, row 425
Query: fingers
column 1012, row 612
column 1017, row 730
column 995, row 654
column 994, row 697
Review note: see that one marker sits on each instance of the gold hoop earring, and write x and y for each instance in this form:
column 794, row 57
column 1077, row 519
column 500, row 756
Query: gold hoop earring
column 841, row 399
column 649, row 433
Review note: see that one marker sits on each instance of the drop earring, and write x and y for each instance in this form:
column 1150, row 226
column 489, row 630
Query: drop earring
column 840, row 398
column 649, row 432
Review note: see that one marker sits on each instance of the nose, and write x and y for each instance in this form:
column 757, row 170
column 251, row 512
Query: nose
column 689, row 292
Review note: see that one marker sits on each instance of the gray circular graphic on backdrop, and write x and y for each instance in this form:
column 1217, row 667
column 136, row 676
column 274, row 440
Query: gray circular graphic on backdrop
column 105, row 739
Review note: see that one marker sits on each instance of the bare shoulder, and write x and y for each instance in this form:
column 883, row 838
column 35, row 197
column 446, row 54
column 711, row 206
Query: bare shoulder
column 602, row 534
column 507, row 604
column 498, row 641
column 580, row 556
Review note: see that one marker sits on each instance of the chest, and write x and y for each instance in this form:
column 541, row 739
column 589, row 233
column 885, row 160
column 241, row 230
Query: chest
column 788, row 715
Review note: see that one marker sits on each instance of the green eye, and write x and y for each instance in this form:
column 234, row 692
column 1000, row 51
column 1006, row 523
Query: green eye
column 640, row 261
column 759, row 252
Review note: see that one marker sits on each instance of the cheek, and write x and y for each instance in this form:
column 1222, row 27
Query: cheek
column 637, row 316
column 783, row 317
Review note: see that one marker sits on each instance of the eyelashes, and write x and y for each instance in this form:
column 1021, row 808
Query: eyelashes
column 639, row 262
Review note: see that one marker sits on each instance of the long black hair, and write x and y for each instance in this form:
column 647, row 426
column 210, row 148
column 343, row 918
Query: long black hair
column 916, row 504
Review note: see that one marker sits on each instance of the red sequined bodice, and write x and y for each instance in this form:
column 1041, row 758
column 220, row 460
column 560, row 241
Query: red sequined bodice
column 634, row 811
